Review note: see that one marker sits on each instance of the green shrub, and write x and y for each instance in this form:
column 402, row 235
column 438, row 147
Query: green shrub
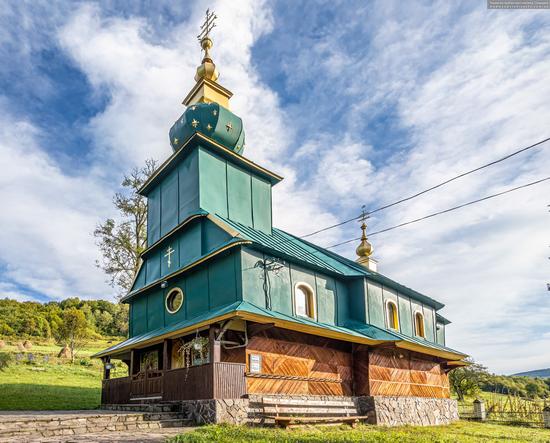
column 5, row 360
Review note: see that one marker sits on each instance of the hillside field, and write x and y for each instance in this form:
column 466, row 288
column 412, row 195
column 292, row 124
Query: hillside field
column 36, row 379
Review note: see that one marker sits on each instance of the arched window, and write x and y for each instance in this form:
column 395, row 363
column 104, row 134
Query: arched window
column 174, row 300
column 391, row 315
column 304, row 300
column 419, row 325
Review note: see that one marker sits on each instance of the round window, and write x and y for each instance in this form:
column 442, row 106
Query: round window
column 174, row 300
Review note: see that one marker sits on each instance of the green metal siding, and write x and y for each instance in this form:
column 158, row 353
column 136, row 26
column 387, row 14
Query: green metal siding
column 281, row 292
column 213, row 236
column 153, row 267
column 261, row 205
column 358, row 300
column 196, row 286
column 326, row 299
column 376, row 305
column 253, row 278
column 440, row 334
column 221, row 280
column 213, row 183
column 239, row 195
column 343, row 303
column 155, row 310
column 139, row 315
column 153, row 216
column 405, row 316
column 429, row 323
column 188, row 177
column 190, row 242
column 169, row 203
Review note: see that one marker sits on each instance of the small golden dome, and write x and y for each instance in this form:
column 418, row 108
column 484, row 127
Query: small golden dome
column 364, row 249
column 207, row 69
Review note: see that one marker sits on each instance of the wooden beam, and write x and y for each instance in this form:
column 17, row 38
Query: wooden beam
column 255, row 328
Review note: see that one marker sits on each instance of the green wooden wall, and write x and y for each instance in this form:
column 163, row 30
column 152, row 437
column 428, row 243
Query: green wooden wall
column 197, row 238
column 230, row 191
column 440, row 334
column 212, row 285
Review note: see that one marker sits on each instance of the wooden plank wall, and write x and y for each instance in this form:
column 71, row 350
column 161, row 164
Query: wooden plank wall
column 395, row 372
column 295, row 363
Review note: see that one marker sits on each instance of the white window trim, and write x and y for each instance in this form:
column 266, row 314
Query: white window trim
column 176, row 289
column 313, row 306
column 388, row 302
column 416, row 334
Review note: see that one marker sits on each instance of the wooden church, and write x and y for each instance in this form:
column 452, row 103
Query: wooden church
column 227, row 310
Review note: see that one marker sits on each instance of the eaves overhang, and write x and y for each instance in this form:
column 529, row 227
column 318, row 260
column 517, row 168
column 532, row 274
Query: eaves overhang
column 223, row 247
column 196, row 139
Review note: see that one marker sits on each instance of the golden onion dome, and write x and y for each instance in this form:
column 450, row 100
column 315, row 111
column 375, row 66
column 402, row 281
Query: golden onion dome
column 364, row 249
column 207, row 68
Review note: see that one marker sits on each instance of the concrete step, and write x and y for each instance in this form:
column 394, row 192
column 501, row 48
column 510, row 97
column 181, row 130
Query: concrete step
column 80, row 422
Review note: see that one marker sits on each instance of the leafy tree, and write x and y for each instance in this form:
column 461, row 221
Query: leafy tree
column 466, row 380
column 74, row 330
column 121, row 243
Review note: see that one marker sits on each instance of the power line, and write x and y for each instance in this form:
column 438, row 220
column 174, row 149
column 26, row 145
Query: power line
column 439, row 185
column 443, row 211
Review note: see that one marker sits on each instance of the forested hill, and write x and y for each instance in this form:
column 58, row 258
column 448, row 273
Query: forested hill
column 540, row 373
column 32, row 319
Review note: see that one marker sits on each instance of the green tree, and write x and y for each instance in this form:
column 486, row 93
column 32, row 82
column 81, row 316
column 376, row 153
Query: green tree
column 121, row 243
column 467, row 380
column 73, row 330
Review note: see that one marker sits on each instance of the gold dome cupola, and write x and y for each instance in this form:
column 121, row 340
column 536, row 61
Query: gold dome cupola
column 207, row 89
column 365, row 249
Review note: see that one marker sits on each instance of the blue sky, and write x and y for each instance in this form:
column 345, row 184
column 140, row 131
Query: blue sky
column 352, row 102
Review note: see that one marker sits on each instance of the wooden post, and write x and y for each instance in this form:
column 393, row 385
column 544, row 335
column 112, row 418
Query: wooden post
column 106, row 371
column 131, row 370
column 546, row 416
column 166, row 355
column 215, row 349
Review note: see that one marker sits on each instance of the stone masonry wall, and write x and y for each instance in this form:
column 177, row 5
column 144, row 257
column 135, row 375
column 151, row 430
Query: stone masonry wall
column 233, row 411
column 397, row 411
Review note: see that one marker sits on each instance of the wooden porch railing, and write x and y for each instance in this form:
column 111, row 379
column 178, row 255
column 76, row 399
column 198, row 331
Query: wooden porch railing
column 212, row 380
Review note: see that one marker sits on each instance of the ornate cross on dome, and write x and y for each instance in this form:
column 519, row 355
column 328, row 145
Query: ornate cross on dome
column 208, row 25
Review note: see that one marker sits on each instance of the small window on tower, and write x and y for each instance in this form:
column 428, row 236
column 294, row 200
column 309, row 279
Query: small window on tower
column 304, row 301
column 419, row 325
column 174, row 300
column 391, row 314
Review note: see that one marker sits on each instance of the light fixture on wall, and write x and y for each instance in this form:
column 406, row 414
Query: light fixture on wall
column 164, row 284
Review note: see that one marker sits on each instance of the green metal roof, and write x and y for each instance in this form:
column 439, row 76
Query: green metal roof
column 303, row 251
column 353, row 329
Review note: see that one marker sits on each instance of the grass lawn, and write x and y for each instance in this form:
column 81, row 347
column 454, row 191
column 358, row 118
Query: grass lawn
column 49, row 382
column 458, row 432
column 52, row 386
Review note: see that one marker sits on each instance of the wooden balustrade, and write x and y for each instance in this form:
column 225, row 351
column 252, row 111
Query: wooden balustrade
column 212, row 380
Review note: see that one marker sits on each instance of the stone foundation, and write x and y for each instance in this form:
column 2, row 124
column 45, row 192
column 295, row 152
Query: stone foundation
column 398, row 411
column 233, row 411
column 386, row 411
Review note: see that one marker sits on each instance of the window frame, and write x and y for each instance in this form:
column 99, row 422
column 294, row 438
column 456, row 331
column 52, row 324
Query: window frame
column 311, row 305
column 170, row 292
column 418, row 314
column 395, row 316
